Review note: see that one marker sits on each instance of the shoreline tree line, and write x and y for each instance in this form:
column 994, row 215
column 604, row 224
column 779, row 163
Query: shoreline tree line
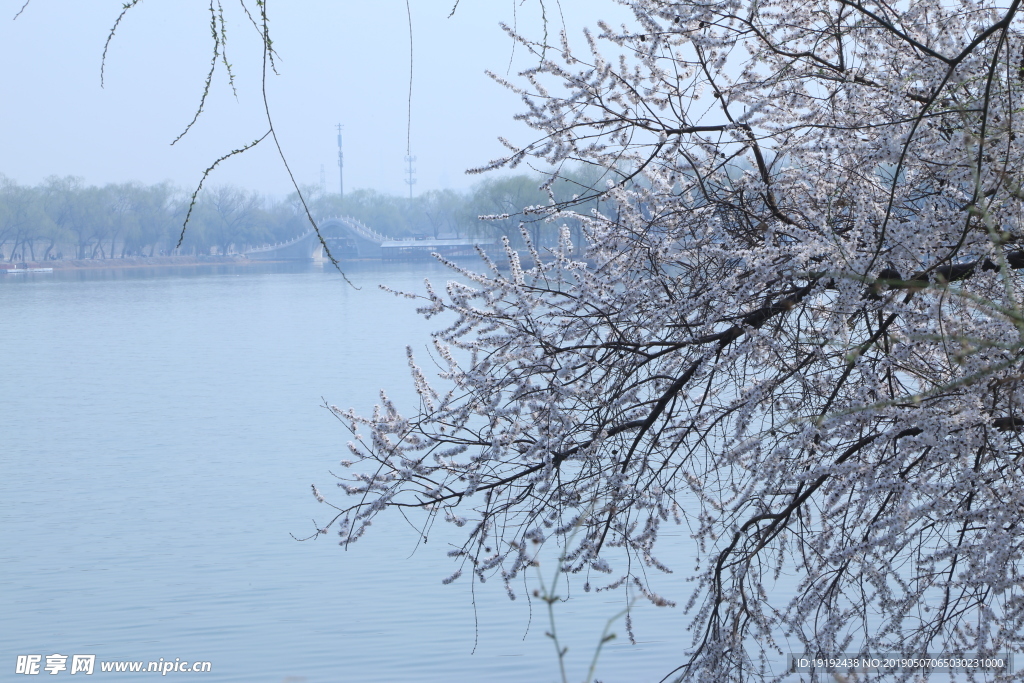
column 64, row 218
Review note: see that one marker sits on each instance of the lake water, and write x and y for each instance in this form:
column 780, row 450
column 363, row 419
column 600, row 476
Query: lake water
column 159, row 433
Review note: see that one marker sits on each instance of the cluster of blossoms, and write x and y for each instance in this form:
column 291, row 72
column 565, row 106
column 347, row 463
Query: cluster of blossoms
column 795, row 328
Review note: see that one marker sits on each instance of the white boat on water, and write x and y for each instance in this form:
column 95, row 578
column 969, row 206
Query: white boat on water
column 19, row 271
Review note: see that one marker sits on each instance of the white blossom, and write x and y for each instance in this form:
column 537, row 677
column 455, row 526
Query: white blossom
column 796, row 330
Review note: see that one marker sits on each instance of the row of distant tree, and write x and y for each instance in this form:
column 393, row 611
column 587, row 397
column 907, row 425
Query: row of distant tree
column 63, row 218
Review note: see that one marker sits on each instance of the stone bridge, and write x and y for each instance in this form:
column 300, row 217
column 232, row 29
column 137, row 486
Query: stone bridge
column 346, row 237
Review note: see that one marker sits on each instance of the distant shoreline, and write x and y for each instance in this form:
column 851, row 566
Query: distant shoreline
column 138, row 262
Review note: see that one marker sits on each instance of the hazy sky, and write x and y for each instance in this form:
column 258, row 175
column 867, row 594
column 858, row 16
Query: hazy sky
column 341, row 61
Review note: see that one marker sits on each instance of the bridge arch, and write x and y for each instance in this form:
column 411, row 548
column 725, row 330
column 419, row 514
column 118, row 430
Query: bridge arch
column 346, row 237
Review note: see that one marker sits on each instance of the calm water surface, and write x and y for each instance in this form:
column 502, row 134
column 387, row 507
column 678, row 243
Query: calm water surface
column 159, row 434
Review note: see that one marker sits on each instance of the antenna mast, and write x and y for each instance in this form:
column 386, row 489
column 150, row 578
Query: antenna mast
column 409, row 158
column 410, row 180
column 341, row 165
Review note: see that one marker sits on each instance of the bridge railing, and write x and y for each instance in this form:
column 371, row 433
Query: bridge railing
column 280, row 245
column 353, row 224
column 360, row 228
